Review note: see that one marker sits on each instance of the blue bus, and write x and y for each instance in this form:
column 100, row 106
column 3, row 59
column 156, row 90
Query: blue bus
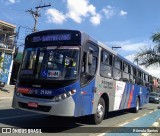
column 68, row 73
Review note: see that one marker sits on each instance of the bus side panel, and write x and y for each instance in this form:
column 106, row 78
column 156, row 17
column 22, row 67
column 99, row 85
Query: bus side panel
column 137, row 91
column 126, row 96
column 85, row 100
column 119, row 94
column 143, row 94
column 129, row 96
column 104, row 86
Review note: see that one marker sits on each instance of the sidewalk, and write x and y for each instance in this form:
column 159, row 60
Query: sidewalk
column 7, row 92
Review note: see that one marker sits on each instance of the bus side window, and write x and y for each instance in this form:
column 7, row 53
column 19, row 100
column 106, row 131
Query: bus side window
column 134, row 74
column 130, row 71
column 92, row 67
column 89, row 63
column 83, row 68
column 125, row 72
column 117, row 70
column 106, row 64
column 139, row 79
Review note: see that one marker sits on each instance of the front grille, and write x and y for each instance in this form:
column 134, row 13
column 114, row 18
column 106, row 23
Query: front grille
column 39, row 108
column 38, row 96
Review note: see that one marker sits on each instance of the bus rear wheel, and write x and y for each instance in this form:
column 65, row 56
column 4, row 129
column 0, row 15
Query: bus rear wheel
column 100, row 112
column 136, row 109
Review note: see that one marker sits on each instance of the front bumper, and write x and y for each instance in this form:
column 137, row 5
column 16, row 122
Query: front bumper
column 65, row 107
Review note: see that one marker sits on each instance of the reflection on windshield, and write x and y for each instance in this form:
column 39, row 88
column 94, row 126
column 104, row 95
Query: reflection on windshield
column 29, row 55
column 53, row 63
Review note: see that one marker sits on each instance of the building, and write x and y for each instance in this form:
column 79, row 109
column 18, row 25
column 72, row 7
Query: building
column 7, row 49
column 16, row 65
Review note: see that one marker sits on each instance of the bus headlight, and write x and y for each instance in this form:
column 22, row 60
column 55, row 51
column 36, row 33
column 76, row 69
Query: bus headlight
column 64, row 95
column 56, row 98
column 69, row 94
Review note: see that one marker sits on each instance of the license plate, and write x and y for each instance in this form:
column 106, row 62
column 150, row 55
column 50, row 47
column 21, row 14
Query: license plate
column 33, row 104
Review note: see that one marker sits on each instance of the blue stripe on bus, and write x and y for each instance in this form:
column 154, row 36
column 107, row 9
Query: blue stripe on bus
column 130, row 94
column 54, row 92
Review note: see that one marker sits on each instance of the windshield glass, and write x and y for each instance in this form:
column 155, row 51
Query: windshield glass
column 56, row 62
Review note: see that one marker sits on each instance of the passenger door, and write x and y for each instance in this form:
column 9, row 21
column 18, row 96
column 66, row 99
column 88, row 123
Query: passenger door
column 88, row 72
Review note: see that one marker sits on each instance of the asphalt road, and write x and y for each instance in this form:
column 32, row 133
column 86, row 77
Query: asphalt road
column 50, row 125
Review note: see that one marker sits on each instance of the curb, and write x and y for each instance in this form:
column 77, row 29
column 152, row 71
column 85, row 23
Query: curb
column 4, row 98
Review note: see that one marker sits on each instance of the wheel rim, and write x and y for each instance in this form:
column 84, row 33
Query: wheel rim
column 100, row 110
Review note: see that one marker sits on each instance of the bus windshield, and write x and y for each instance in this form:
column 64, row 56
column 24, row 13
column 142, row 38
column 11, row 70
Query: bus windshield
column 55, row 62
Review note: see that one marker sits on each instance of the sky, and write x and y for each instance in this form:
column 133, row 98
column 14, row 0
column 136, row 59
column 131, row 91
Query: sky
column 125, row 23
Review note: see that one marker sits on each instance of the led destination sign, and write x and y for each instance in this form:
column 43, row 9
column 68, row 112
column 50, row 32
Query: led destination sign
column 50, row 38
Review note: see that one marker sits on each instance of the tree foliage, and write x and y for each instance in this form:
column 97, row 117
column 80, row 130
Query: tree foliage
column 1, row 60
column 150, row 56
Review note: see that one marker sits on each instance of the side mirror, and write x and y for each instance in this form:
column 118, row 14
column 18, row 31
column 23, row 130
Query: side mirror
column 90, row 58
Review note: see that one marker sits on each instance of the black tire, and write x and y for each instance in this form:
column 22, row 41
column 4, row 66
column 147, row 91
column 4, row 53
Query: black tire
column 136, row 109
column 100, row 112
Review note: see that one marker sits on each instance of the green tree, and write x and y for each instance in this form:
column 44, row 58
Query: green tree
column 1, row 60
column 150, row 56
column 1, row 67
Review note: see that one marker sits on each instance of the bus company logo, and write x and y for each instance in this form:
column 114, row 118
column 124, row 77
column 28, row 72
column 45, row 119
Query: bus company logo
column 119, row 88
column 107, row 84
column 53, row 73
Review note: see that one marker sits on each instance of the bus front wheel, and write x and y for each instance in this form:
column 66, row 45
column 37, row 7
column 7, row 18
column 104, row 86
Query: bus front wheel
column 100, row 112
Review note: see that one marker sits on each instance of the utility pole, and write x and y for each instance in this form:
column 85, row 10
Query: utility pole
column 36, row 14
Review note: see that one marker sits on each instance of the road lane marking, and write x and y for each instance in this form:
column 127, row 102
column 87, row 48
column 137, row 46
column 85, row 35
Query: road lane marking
column 155, row 124
column 145, row 134
column 19, row 116
column 123, row 124
column 144, row 114
column 102, row 134
column 136, row 118
column 142, row 134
